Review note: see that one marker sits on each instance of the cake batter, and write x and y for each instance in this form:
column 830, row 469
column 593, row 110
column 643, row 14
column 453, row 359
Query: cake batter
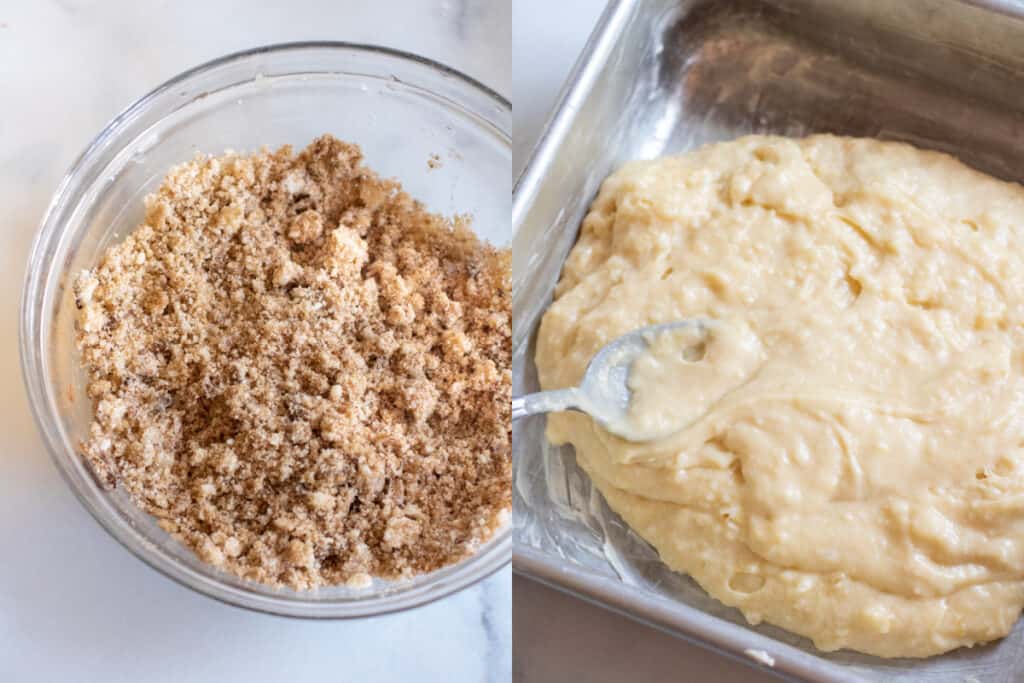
column 849, row 464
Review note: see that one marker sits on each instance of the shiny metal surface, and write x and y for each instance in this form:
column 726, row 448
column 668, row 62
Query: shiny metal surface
column 663, row 76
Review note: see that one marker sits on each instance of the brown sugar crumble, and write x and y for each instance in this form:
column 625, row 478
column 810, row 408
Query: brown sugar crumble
column 300, row 372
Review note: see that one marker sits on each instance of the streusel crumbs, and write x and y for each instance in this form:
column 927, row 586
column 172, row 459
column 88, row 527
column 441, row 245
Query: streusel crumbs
column 302, row 373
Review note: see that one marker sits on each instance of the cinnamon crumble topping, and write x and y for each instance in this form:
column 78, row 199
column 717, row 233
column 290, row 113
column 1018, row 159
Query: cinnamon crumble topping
column 303, row 374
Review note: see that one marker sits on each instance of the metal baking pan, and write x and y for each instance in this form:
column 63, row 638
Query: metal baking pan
column 663, row 76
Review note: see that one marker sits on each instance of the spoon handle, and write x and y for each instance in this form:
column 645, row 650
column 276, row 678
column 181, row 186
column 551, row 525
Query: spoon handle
column 545, row 402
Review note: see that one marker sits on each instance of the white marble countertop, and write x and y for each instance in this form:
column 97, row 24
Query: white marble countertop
column 75, row 606
column 559, row 638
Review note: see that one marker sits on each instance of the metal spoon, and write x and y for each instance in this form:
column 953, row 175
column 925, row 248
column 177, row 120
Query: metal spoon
column 604, row 393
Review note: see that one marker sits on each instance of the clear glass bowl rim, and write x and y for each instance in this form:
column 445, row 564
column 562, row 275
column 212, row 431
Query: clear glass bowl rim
column 496, row 554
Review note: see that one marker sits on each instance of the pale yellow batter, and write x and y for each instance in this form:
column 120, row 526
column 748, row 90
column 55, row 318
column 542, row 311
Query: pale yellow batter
column 853, row 467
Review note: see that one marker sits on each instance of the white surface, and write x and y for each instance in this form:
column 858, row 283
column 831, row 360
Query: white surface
column 556, row 637
column 75, row 606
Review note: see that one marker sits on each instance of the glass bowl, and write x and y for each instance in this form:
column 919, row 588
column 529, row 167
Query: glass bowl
column 401, row 109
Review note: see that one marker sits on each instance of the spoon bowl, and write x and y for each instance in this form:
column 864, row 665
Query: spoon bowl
column 604, row 393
